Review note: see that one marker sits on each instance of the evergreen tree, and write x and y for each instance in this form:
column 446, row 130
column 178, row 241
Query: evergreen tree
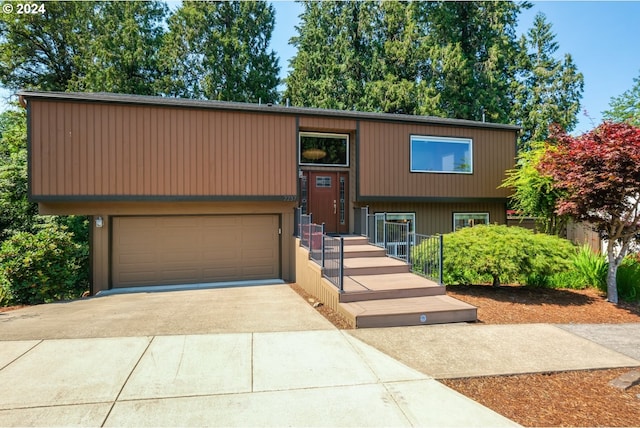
column 334, row 55
column 472, row 55
column 398, row 70
column 549, row 90
column 123, row 53
column 626, row 107
column 220, row 50
column 453, row 59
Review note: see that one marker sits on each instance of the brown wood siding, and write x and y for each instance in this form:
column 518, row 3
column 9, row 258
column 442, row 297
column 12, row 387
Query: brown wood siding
column 90, row 149
column 384, row 168
column 432, row 218
column 326, row 124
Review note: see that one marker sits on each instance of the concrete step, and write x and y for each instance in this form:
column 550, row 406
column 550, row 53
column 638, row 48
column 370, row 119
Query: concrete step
column 373, row 266
column 408, row 311
column 355, row 251
column 388, row 286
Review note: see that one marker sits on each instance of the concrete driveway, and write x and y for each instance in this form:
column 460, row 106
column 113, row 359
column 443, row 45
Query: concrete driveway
column 251, row 356
column 216, row 310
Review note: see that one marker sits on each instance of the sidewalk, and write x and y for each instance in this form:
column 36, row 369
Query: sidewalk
column 306, row 378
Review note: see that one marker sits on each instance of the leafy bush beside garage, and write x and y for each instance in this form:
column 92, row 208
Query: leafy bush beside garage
column 42, row 267
column 501, row 254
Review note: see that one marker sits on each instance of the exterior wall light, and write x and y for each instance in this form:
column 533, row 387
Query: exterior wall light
column 99, row 222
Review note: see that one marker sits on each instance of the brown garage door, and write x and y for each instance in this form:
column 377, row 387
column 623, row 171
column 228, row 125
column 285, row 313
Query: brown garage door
column 194, row 249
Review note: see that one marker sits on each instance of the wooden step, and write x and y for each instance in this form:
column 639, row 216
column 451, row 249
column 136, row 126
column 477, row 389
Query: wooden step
column 373, row 266
column 355, row 240
column 388, row 286
column 355, row 251
column 408, row 311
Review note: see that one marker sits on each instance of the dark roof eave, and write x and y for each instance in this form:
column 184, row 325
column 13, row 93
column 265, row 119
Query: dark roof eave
column 262, row 108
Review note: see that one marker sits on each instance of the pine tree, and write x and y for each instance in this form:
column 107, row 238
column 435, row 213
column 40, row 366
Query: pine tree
column 549, row 90
column 220, row 50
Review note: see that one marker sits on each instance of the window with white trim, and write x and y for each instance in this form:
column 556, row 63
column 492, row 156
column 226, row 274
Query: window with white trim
column 441, row 154
column 462, row 220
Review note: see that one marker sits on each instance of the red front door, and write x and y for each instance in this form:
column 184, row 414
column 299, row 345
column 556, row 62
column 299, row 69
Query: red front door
column 327, row 199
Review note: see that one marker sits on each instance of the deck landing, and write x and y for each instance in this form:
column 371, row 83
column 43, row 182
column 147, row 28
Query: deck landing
column 381, row 292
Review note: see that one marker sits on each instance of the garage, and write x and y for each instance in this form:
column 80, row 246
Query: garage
column 170, row 250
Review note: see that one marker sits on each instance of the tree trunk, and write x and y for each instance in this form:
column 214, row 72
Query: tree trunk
column 612, row 286
column 496, row 281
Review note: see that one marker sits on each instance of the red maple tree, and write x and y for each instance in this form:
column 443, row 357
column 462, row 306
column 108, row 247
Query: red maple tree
column 599, row 173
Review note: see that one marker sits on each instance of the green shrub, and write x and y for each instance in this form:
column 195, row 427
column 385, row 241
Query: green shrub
column 4, row 291
column 503, row 254
column 592, row 267
column 570, row 278
column 42, row 267
column 590, row 270
column 628, row 279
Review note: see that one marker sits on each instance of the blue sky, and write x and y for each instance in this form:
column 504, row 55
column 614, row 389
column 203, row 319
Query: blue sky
column 603, row 37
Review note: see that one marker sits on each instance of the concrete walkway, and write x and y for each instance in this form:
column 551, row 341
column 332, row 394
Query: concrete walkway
column 256, row 356
column 470, row 350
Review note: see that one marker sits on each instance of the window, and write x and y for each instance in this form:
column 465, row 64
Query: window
column 441, row 154
column 403, row 218
column 323, row 181
column 324, row 149
column 461, row 220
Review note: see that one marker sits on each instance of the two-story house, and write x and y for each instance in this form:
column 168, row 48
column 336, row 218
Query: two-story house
column 184, row 191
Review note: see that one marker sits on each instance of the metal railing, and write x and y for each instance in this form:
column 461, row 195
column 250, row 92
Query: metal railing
column 304, row 230
column 423, row 252
column 398, row 240
column 333, row 268
column 316, row 243
column 426, row 256
column 324, row 250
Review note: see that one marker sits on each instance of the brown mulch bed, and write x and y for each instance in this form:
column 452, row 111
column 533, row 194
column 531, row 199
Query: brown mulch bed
column 11, row 308
column 575, row 399
column 524, row 305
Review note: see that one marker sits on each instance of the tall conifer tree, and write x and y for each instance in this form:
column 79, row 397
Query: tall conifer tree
column 122, row 55
column 333, row 62
column 220, row 50
column 549, row 89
